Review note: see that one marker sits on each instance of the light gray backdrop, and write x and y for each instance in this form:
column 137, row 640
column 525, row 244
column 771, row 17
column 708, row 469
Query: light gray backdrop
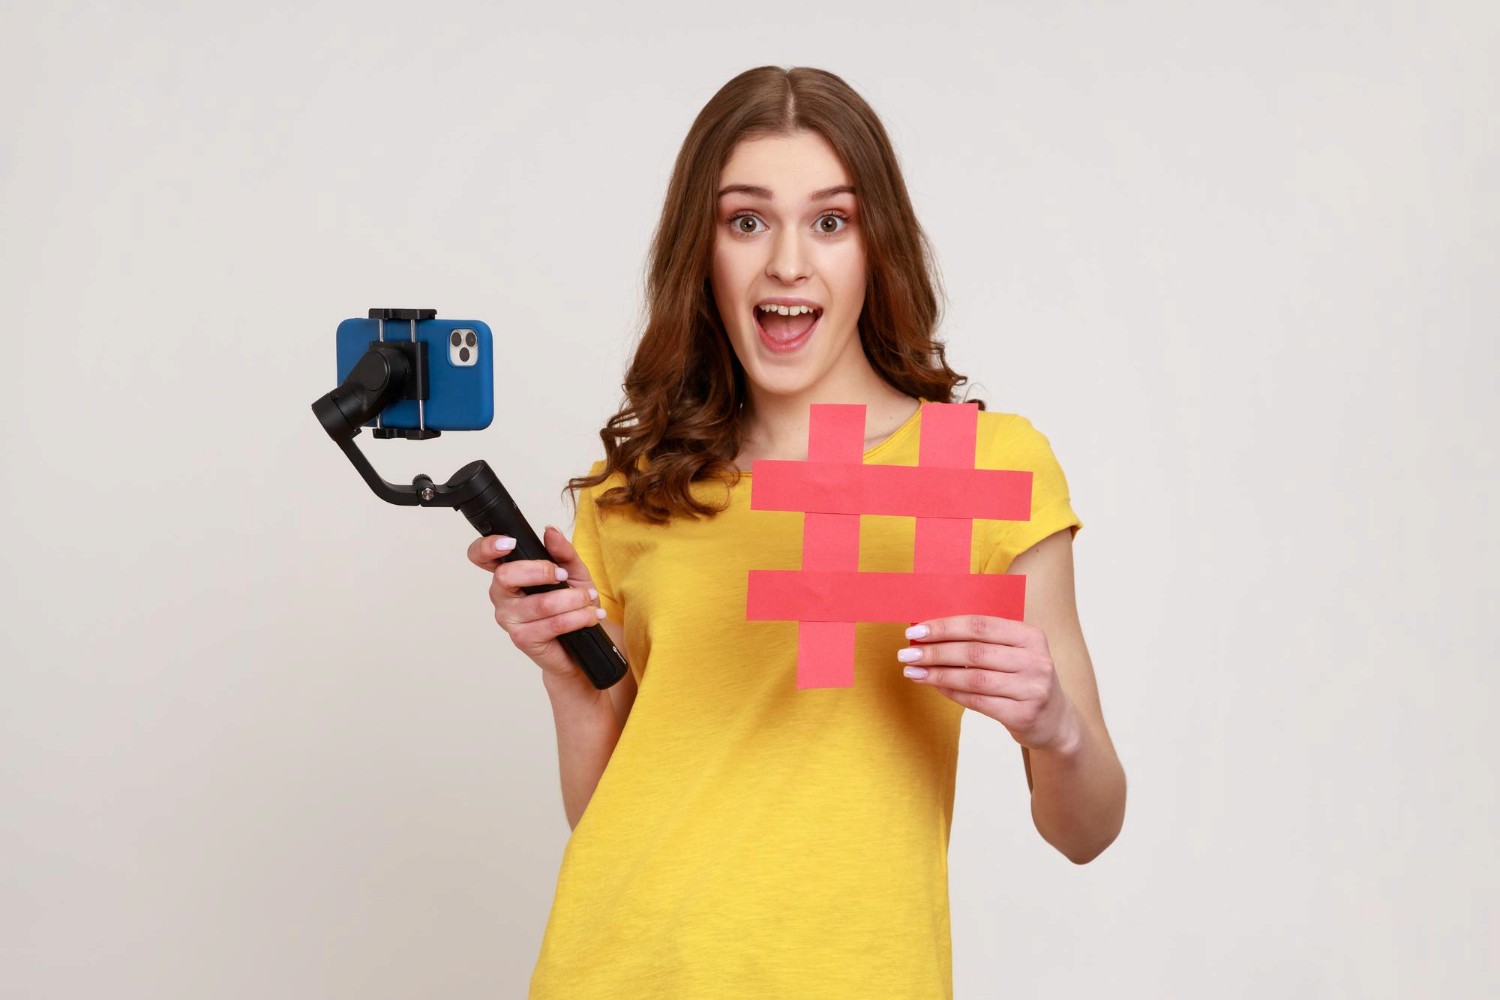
column 261, row 736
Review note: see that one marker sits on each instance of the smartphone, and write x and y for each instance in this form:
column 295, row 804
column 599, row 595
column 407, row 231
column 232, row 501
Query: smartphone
column 460, row 371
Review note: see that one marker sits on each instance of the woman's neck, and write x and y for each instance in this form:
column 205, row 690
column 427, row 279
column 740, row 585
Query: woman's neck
column 776, row 426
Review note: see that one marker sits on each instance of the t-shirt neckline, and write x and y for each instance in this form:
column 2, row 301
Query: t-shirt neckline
column 890, row 439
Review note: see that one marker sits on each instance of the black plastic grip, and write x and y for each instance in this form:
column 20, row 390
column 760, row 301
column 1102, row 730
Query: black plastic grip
column 493, row 512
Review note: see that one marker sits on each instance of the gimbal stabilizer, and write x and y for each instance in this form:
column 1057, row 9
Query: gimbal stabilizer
column 395, row 370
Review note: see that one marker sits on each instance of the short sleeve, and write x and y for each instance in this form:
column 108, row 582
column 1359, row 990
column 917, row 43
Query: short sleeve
column 590, row 546
column 1023, row 447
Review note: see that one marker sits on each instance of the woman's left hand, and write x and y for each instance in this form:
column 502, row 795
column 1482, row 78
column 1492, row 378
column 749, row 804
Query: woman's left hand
column 1000, row 668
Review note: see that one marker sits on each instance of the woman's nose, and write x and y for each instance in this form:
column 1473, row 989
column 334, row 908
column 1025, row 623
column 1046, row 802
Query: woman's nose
column 788, row 257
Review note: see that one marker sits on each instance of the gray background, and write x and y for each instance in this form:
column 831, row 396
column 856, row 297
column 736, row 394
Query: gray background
column 261, row 736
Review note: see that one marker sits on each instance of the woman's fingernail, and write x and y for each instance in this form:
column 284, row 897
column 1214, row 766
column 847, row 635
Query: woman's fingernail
column 599, row 612
column 504, row 543
column 593, row 594
column 562, row 574
column 909, row 655
column 915, row 673
column 917, row 632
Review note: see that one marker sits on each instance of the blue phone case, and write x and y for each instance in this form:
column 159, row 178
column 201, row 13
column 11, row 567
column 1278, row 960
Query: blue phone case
column 460, row 376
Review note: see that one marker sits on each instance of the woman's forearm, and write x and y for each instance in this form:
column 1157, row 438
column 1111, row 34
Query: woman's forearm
column 1078, row 796
column 587, row 731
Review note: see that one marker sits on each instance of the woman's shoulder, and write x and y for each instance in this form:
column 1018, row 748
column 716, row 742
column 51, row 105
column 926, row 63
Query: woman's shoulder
column 615, row 478
column 1005, row 422
column 996, row 425
column 1010, row 440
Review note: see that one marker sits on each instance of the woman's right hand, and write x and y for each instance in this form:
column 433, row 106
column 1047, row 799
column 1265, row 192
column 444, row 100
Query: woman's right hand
column 534, row 621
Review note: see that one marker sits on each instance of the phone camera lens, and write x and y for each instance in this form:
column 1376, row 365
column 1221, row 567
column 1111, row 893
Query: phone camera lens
column 471, row 339
column 463, row 354
column 456, row 338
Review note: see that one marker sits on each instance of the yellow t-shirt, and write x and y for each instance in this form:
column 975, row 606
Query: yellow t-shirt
column 748, row 839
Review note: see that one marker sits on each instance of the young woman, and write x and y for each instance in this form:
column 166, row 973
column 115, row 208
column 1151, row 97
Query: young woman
column 736, row 835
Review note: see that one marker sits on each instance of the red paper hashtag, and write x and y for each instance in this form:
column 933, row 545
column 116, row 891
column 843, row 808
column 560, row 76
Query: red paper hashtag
column 943, row 491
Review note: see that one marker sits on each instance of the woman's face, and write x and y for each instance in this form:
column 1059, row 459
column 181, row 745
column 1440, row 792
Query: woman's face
column 796, row 237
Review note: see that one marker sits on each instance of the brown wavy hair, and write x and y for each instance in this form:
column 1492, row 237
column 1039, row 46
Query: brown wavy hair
column 685, row 387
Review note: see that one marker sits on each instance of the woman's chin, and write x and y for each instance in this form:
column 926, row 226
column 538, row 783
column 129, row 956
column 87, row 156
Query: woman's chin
column 782, row 379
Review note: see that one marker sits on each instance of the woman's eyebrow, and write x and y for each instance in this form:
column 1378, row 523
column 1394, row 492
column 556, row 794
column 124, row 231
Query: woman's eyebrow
column 760, row 192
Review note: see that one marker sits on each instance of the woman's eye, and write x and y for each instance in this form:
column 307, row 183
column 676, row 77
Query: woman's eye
column 835, row 229
column 737, row 221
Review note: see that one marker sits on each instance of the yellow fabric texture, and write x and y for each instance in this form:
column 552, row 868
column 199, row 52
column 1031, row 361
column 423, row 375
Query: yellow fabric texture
column 747, row 839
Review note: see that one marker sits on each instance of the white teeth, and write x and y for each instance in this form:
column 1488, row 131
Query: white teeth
column 786, row 310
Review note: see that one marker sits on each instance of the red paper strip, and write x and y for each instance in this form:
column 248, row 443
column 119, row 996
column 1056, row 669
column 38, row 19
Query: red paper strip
column 812, row 596
column 825, row 655
column 942, row 545
column 825, row 650
column 900, row 490
column 946, row 450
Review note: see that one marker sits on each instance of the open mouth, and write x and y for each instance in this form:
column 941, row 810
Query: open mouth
column 782, row 334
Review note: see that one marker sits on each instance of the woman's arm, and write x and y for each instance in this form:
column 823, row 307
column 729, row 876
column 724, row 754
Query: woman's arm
column 589, row 723
column 1035, row 678
column 1077, row 792
column 587, row 731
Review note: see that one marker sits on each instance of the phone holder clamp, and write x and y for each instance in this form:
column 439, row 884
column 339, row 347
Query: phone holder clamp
column 390, row 371
column 413, row 378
